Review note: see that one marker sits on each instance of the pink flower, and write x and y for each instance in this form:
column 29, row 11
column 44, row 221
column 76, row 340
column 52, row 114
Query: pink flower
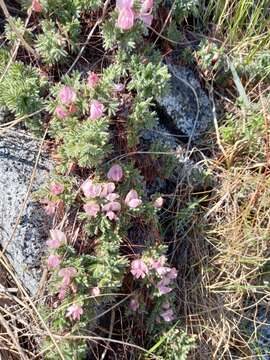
column 147, row 6
column 172, row 274
column 167, row 315
column 36, row 6
column 57, row 238
column 57, row 189
column 53, row 261
column 112, row 197
column 134, row 304
column 50, row 207
column 162, row 285
column 111, row 215
column 58, row 235
column 74, row 312
column 138, row 269
column 163, row 270
column 112, row 206
column 147, row 19
column 67, row 95
column 91, row 209
column 60, row 112
column 119, row 87
column 91, row 190
column 125, row 19
column 53, row 244
column 62, row 293
column 96, row 110
column 145, row 12
column 115, row 173
column 124, row 3
column 95, row 291
column 67, row 274
column 92, row 79
column 107, row 189
column 132, row 199
column 158, row 202
column 163, row 289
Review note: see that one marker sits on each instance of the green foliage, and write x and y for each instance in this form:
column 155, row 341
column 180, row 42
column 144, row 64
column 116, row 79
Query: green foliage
column 148, row 80
column 11, row 35
column 59, row 35
column 173, row 345
column 140, row 119
column 21, row 90
column 182, row 8
column 110, row 266
column 210, row 58
column 69, row 8
column 250, row 133
column 86, row 143
column 255, row 68
column 165, row 163
column 173, row 33
column 51, row 43
column 71, row 350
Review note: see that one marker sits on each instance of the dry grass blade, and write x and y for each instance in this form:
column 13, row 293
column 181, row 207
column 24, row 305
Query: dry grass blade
column 4, row 323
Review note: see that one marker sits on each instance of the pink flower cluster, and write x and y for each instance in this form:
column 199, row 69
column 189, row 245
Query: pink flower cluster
column 56, row 188
column 74, row 312
column 96, row 110
column 67, row 274
column 50, row 206
column 127, row 15
column 166, row 273
column 67, row 97
column 167, row 313
column 104, row 198
column 57, row 239
column 158, row 274
column 92, row 80
column 36, row 6
column 139, row 269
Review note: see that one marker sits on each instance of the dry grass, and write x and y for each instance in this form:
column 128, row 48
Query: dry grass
column 222, row 256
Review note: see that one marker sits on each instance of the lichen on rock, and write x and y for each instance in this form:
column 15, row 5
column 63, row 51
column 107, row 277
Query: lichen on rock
column 18, row 152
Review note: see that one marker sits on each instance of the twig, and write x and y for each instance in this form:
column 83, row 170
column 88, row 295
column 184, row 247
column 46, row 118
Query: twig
column 28, row 298
column 98, row 22
column 13, row 338
column 13, row 26
column 14, row 51
column 216, row 122
column 5, row 127
column 110, row 334
column 266, row 116
column 165, row 23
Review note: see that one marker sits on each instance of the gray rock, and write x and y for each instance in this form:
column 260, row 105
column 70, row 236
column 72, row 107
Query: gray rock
column 186, row 108
column 18, row 154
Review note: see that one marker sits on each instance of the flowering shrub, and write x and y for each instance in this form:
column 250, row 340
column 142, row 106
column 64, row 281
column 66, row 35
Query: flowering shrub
column 94, row 119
